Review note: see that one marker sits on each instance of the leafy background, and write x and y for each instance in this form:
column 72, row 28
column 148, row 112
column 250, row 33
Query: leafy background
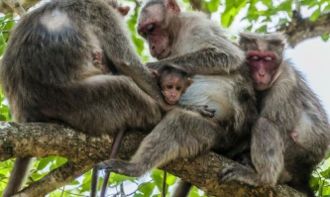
column 254, row 15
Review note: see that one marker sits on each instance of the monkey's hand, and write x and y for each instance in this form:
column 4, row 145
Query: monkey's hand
column 240, row 173
column 121, row 167
column 204, row 110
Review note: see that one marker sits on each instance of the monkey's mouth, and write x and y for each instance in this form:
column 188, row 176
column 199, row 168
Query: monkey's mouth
column 171, row 101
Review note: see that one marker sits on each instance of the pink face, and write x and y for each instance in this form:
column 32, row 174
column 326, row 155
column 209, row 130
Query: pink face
column 263, row 67
column 172, row 88
column 152, row 27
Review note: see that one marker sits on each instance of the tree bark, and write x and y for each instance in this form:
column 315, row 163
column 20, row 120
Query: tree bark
column 41, row 139
column 300, row 29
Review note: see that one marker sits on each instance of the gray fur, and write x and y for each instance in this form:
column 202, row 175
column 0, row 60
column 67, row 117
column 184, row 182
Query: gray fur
column 198, row 47
column 288, row 105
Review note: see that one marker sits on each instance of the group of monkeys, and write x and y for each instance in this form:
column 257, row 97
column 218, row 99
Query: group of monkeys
column 72, row 62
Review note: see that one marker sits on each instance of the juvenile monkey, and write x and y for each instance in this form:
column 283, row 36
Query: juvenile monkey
column 173, row 83
column 198, row 46
column 292, row 133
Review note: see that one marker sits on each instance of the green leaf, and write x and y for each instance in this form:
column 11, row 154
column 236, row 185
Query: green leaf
column 315, row 15
column 213, row 5
column 146, row 188
column 325, row 37
column 158, row 178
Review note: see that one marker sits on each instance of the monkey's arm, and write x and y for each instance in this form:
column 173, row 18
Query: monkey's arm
column 211, row 53
column 118, row 48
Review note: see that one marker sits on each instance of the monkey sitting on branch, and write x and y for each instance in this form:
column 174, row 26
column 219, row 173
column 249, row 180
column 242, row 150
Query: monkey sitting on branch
column 291, row 134
column 195, row 44
column 173, row 82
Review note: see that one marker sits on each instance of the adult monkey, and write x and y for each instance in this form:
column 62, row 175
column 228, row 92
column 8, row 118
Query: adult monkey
column 47, row 73
column 292, row 132
column 197, row 45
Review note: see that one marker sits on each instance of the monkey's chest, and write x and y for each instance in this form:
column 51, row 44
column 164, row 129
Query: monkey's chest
column 214, row 91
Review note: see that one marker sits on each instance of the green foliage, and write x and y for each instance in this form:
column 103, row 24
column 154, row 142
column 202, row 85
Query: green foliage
column 259, row 15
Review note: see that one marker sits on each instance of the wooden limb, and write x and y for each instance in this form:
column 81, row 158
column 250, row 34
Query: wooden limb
column 40, row 139
column 300, row 29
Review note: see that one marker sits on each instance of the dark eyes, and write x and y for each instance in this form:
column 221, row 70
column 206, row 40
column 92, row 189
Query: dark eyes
column 150, row 28
column 178, row 88
column 257, row 58
column 169, row 86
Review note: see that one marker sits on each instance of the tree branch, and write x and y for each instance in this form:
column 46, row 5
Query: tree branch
column 301, row 29
column 18, row 6
column 40, row 139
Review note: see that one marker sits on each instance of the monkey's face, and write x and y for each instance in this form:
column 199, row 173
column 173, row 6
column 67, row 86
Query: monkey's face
column 263, row 68
column 153, row 28
column 172, row 88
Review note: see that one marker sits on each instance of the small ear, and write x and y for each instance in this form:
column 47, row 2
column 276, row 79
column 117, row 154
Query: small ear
column 189, row 81
column 172, row 5
column 123, row 10
column 154, row 73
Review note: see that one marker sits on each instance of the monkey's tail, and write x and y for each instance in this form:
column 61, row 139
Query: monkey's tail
column 183, row 189
column 17, row 176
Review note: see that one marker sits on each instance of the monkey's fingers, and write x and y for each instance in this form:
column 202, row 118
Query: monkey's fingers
column 121, row 167
column 238, row 173
column 206, row 112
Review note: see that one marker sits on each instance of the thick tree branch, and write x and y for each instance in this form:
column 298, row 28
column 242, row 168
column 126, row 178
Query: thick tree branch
column 18, row 6
column 39, row 139
column 300, row 29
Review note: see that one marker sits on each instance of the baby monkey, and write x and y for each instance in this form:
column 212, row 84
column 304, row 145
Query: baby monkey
column 173, row 82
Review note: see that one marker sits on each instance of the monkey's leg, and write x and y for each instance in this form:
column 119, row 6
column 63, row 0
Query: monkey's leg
column 267, row 150
column 20, row 169
column 114, row 150
column 180, row 134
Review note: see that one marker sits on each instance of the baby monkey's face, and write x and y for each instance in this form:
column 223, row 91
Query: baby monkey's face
column 173, row 86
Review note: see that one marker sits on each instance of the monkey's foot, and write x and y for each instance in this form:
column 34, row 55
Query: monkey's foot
column 121, row 167
column 239, row 173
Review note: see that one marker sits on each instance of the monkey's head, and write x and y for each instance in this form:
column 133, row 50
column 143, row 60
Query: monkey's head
column 173, row 83
column 264, row 56
column 154, row 26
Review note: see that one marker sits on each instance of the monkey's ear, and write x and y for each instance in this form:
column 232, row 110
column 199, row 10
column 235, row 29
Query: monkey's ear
column 189, row 81
column 155, row 73
column 123, row 10
column 172, row 5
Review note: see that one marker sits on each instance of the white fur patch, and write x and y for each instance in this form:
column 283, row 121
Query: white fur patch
column 55, row 21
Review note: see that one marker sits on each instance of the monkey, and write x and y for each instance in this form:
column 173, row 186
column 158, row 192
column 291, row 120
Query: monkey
column 173, row 83
column 198, row 46
column 47, row 74
column 291, row 134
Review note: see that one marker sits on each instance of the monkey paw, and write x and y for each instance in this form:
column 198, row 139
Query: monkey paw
column 207, row 112
column 120, row 167
column 238, row 173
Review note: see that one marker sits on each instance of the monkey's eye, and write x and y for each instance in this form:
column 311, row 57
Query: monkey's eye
column 169, row 86
column 254, row 57
column 268, row 58
column 150, row 28
column 178, row 88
